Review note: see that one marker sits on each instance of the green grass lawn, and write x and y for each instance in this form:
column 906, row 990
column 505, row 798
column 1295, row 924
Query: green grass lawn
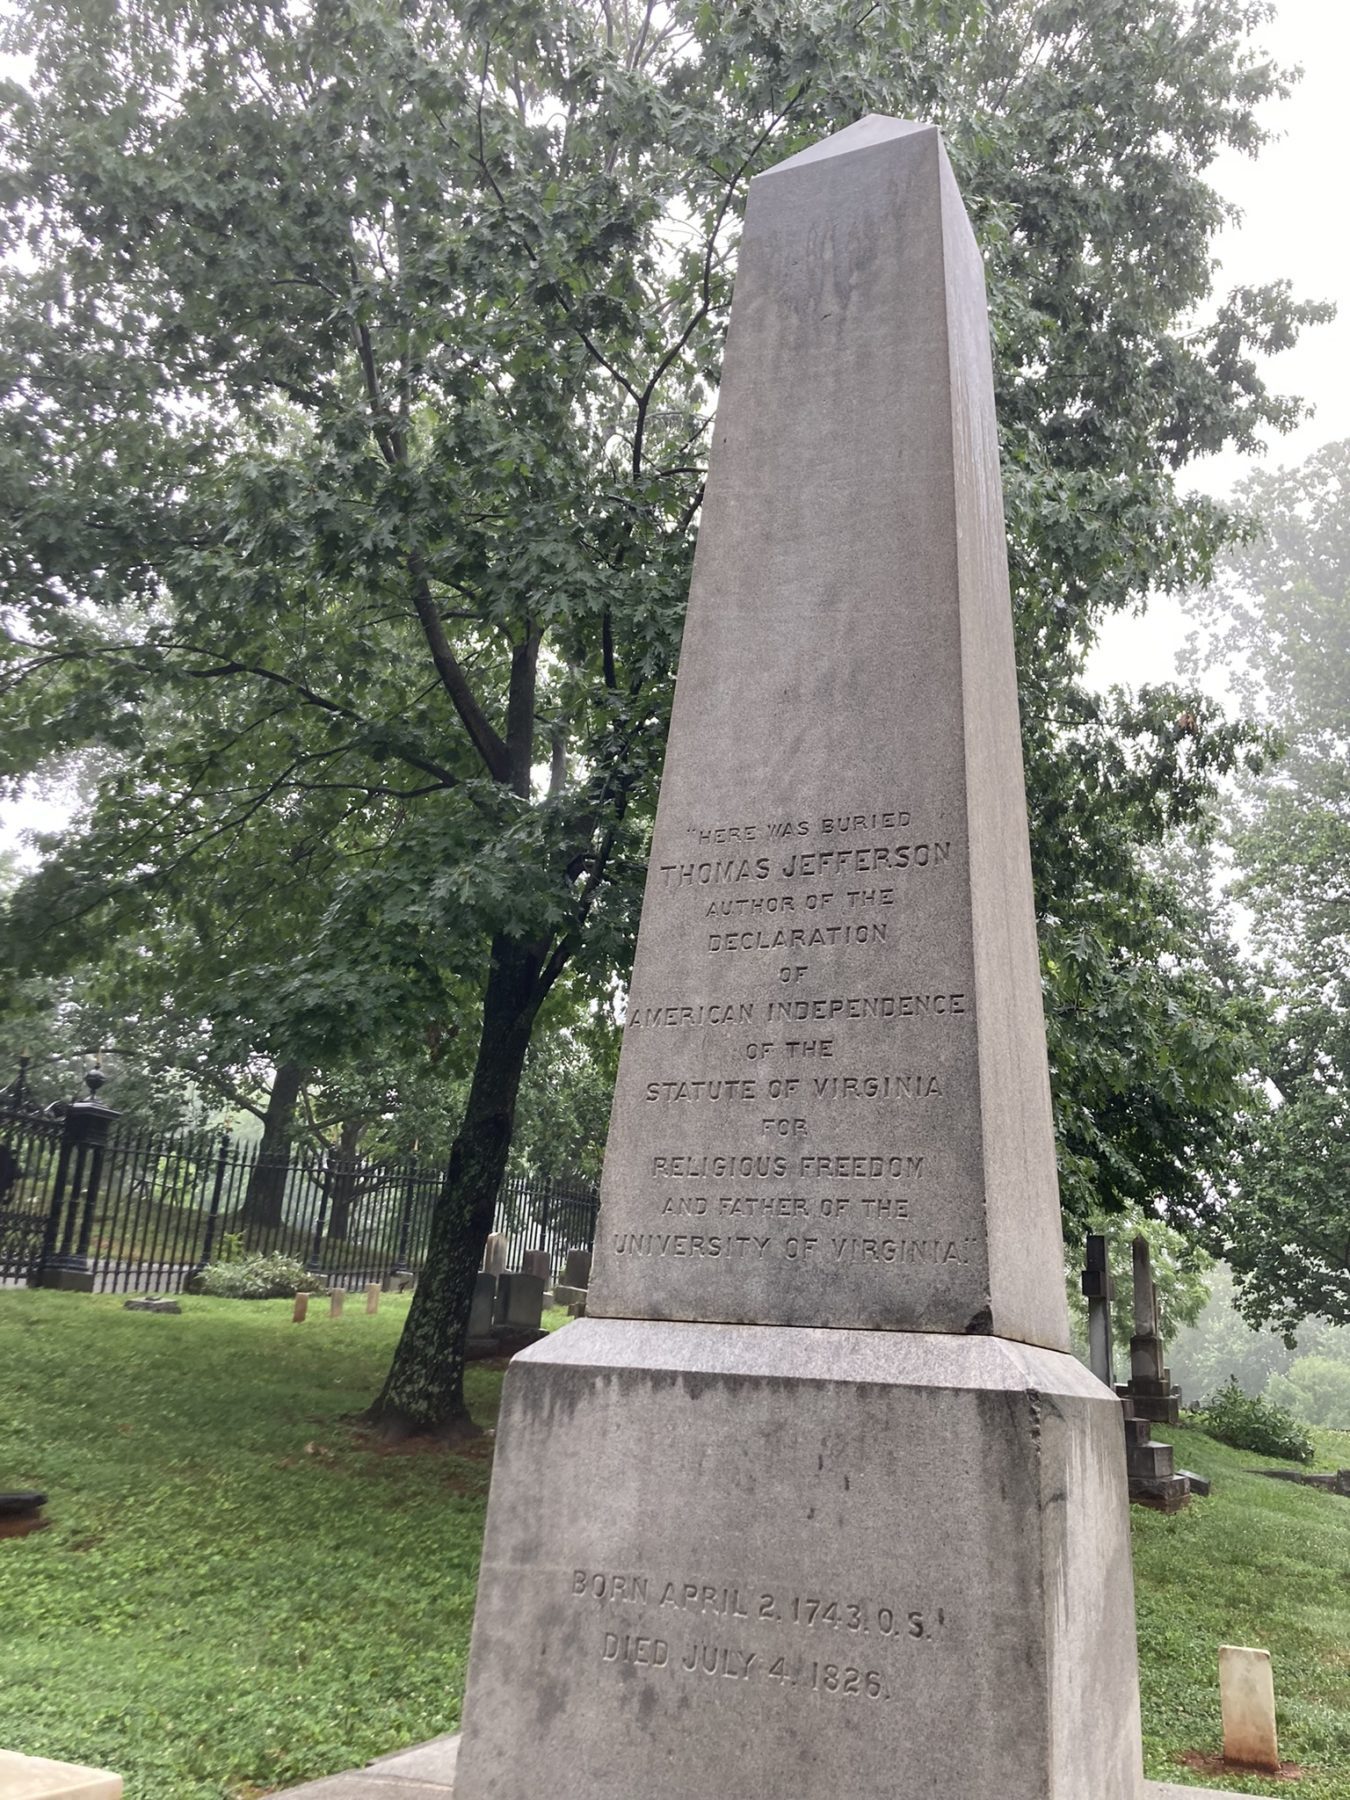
column 1263, row 1563
column 236, row 1592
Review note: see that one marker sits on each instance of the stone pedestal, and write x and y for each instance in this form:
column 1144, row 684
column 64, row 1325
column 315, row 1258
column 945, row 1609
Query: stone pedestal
column 802, row 1565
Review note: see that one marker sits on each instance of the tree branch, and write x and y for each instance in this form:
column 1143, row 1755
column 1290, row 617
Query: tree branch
column 490, row 747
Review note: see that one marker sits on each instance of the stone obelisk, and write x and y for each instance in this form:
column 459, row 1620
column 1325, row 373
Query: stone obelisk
column 815, row 1505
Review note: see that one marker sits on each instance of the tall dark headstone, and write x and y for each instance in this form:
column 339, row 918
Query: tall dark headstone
column 839, row 1515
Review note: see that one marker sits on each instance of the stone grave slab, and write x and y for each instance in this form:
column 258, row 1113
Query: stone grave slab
column 520, row 1302
column 40, row 1778
column 577, row 1268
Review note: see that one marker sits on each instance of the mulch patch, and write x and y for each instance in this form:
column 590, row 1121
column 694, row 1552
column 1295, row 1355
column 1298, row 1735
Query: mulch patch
column 1204, row 1764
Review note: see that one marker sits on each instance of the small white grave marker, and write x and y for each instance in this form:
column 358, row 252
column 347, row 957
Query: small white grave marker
column 372, row 1296
column 1247, row 1696
column 300, row 1308
column 335, row 1298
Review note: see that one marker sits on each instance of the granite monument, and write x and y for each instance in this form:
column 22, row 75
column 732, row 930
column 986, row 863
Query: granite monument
column 839, row 1516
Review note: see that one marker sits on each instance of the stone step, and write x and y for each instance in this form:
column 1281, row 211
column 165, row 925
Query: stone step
column 429, row 1771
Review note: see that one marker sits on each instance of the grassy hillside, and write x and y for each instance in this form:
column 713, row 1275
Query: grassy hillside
column 234, row 1593
column 1262, row 1563
column 237, row 1592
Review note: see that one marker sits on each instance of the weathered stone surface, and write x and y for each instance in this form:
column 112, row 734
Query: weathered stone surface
column 21, row 1516
column 1167, row 1790
column 441, row 1751
column 833, row 1106
column 577, row 1269
column 786, row 1564
column 433, row 1761
column 520, row 1302
column 494, row 1254
column 484, row 1307
column 538, row 1262
column 21, row 1502
column 830, row 1511
column 39, row 1778
column 372, row 1784
column 1247, row 1700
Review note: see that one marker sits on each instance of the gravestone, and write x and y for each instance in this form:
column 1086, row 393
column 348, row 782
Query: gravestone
column 1247, row 1703
column 1149, row 1391
column 537, row 1262
column 1099, row 1291
column 832, row 1511
column 577, row 1269
column 494, row 1255
column 520, row 1302
column 484, row 1307
column 1149, row 1399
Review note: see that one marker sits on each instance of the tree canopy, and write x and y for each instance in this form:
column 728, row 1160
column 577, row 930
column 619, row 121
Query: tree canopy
column 1278, row 618
column 358, row 361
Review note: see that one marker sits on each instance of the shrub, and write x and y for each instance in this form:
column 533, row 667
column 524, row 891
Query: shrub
column 255, row 1276
column 1236, row 1418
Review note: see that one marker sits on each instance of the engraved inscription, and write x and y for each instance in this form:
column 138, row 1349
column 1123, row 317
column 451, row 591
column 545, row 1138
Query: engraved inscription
column 817, row 1073
column 798, row 937
column 922, row 1251
column 780, row 1636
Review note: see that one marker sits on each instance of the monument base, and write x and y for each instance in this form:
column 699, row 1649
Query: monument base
column 792, row 1564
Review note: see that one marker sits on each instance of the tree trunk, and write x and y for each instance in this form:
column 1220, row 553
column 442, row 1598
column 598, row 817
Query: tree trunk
column 346, row 1180
column 424, row 1391
column 266, row 1193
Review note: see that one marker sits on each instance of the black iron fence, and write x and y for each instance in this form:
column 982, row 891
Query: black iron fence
column 552, row 1213
column 87, row 1202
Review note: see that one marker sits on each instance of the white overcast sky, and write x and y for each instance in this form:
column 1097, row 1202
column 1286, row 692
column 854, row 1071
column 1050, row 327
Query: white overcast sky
column 1294, row 225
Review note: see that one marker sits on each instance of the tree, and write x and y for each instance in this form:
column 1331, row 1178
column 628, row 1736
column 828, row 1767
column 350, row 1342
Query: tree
column 1219, row 1347
column 359, row 361
column 1316, row 1389
column 1279, row 619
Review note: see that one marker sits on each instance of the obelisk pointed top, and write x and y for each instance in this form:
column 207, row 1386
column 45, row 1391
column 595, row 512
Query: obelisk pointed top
column 876, row 128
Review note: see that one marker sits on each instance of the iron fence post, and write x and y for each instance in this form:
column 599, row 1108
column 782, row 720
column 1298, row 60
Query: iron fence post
column 314, row 1262
column 213, row 1211
column 544, row 1213
column 400, row 1262
column 79, row 1170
